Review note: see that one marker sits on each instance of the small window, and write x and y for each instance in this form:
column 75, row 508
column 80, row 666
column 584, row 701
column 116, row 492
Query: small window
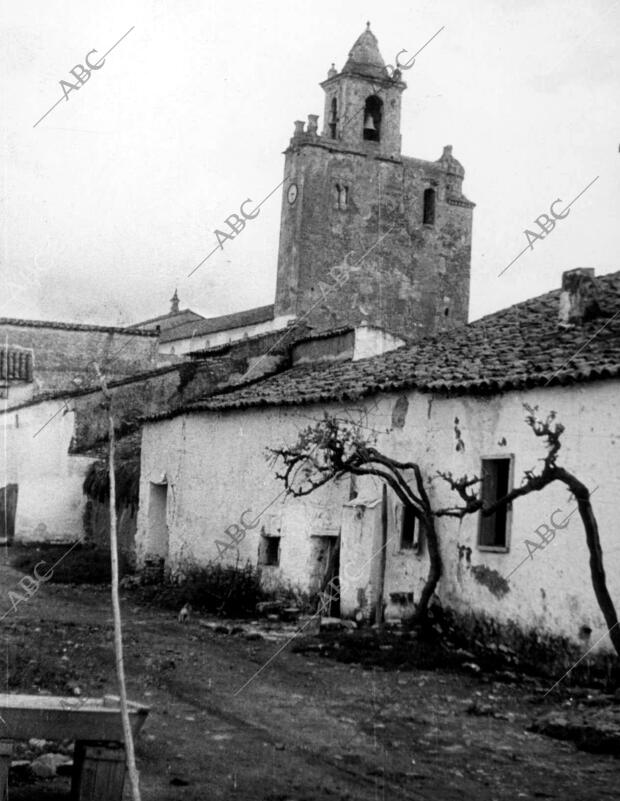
column 429, row 207
column 270, row 555
column 407, row 529
column 493, row 529
column 333, row 118
column 341, row 197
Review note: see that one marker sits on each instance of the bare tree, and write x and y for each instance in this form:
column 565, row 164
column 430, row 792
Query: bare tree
column 331, row 448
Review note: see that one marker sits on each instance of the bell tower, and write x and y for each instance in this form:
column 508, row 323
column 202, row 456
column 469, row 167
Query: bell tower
column 351, row 198
column 362, row 103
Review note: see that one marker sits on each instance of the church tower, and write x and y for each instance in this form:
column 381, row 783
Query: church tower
column 402, row 224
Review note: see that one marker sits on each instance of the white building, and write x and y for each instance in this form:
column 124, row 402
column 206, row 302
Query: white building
column 450, row 403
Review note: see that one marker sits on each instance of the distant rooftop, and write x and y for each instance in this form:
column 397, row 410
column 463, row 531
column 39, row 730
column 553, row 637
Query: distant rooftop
column 75, row 326
column 211, row 325
column 520, row 347
column 166, row 322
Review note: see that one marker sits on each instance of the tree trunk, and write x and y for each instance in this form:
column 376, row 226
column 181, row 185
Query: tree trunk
column 597, row 571
column 118, row 636
column 434, row 570
column 382, row 559
column 132, row 770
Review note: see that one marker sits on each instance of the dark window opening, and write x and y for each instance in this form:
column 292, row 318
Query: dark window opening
column 429, row 207
column 270, row 551
column 341, row 196
column 8, row 510
column 495, row 478
column 401, row 597
column 446, row 311
column 372, row 118
column 407, row 529
column 333, row 118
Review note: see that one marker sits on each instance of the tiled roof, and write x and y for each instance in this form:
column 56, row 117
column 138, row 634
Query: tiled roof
column 75, row 327
column 519, row 347
column 170, row 320
column 212, row 325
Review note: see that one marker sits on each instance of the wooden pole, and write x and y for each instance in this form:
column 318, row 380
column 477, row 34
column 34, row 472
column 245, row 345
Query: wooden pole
column 132, row 770
column 382, row 558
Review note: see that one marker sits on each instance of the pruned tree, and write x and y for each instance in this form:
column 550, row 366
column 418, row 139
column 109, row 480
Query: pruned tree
column 331, row 448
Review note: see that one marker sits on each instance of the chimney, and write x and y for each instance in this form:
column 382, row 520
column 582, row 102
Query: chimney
column 299, row 128
column 313, row 123
column 579, row 299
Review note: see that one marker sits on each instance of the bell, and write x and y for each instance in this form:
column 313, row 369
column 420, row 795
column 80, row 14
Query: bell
column 368, row 123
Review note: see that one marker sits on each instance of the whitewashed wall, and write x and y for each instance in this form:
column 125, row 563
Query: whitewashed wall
column 216, row 468
column 50, row 501
column 373, row 341
column 216, row 471
column 198, row 342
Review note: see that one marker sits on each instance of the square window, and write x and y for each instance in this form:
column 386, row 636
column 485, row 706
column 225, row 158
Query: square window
column 496, row 480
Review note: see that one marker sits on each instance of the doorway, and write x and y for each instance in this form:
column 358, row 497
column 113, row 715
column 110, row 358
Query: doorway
column 327, row 560
column 157, row 532
column 8, row 508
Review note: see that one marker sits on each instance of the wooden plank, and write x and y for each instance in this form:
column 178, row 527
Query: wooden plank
column 6, row 752
column 56, row 718
column 99, row 772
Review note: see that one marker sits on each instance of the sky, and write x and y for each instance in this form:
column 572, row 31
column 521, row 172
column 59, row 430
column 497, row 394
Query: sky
column 113, row 199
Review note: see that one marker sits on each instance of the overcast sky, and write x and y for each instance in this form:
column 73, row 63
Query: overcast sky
column 113, row 198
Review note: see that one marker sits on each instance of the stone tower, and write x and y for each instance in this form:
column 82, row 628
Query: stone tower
column 348, row 190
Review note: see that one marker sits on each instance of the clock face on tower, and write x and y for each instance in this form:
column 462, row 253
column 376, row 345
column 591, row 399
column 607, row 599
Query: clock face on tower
column 292, row 193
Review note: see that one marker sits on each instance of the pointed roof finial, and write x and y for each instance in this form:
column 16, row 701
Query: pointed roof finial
column 174, row 303
column 365, row 58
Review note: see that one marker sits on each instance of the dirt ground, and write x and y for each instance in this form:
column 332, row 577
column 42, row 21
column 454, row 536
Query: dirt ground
column 237, row 718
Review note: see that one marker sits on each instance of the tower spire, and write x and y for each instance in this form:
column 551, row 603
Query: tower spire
column 174, row 303
column 365, row 58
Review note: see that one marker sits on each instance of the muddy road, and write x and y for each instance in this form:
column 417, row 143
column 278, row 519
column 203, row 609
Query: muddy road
column 249, row 719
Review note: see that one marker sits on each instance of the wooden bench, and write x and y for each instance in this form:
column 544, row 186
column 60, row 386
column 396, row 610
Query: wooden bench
column 94, row 724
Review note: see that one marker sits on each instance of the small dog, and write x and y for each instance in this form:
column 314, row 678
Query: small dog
column 185, row 614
